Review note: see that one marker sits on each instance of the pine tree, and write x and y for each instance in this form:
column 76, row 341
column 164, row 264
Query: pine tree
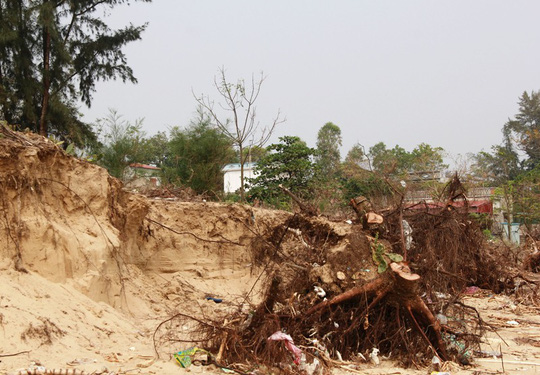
column 328, row 154
column 52, row 53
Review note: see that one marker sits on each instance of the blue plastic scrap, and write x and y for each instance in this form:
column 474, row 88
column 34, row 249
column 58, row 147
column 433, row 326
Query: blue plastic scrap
column 216, row 300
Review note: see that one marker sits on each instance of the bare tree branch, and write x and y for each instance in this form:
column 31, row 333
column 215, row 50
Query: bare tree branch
column 240, row 101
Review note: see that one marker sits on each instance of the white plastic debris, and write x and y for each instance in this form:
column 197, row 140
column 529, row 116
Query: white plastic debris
column 442, row 318
column 309, row 368
column 375, row 356
column 436, row 362
column 512, row 323
column 407, row 233
column 320, row 291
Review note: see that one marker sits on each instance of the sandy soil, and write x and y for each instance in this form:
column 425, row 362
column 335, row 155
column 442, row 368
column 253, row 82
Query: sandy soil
column 89, row 270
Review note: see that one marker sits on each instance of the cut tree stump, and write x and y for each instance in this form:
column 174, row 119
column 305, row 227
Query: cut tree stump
column 400, row 285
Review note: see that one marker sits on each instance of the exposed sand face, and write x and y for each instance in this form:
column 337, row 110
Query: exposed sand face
column 88, row 270
column 98, row 268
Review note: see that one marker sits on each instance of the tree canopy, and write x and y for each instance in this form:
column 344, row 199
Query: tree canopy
column 398, row 161
column 523, row 132
column 197, row 155
column 328, row 156
column 52, row 53
column 122, row 144
column 288, row 163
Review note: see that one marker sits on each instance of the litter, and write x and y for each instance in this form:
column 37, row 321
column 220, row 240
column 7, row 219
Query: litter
column 487, row 354
column 289, row 343
column 374, row 356
column 216, row 300
column 436, row 363
column 442, row 319
column 80, row 361
column 470, row 290
column 186, row 357
column 309, row 368
column 320, row 291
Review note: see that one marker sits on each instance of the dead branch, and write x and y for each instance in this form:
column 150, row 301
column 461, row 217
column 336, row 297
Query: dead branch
column 304, row 207
column 15, row 354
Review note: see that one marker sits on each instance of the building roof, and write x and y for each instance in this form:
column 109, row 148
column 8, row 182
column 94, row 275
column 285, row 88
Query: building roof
column 144, row 166
column 236, row 167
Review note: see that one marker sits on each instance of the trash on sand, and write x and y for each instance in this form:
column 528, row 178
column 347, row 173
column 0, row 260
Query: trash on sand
column 407, row 234
column 81, row 361
column 320, row 291
column 440, row 373
column 470, row 290
column 186, row 357
column 512, row 323
column 436, row 362
column 442, row 295
column 309, row 368
column 216, row 300
column 464, row 353
column 375, row 356
column 289, row 343
column 487, row 353
column 442, row 318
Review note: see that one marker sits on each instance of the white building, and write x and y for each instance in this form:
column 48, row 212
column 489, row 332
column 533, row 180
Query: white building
column 231, row 176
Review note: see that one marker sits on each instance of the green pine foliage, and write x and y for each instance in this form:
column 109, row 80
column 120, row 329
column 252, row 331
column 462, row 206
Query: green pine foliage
column 122, row 144
column 197, row 154
column 52, row 54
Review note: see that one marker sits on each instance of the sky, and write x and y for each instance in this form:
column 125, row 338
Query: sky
column 447, row 73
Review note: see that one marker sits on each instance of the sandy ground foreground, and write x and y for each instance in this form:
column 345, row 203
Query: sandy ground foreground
column 75, row 332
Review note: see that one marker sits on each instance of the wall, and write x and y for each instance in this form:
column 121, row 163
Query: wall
column 231, row 179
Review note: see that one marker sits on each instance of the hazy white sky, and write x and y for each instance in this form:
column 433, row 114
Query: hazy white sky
column 448, row 73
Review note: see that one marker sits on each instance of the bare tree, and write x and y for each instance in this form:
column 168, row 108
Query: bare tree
column 241, row 125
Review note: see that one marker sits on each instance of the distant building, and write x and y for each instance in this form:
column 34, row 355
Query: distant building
column 231, row 176
column 479, row 200
column 142, row 176
column 427, row 176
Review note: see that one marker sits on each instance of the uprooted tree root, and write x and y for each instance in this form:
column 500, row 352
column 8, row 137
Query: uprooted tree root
column 450, row 251
column 384, row 311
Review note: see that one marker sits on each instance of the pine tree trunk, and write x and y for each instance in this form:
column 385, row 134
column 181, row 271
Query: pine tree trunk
column 46, row 79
